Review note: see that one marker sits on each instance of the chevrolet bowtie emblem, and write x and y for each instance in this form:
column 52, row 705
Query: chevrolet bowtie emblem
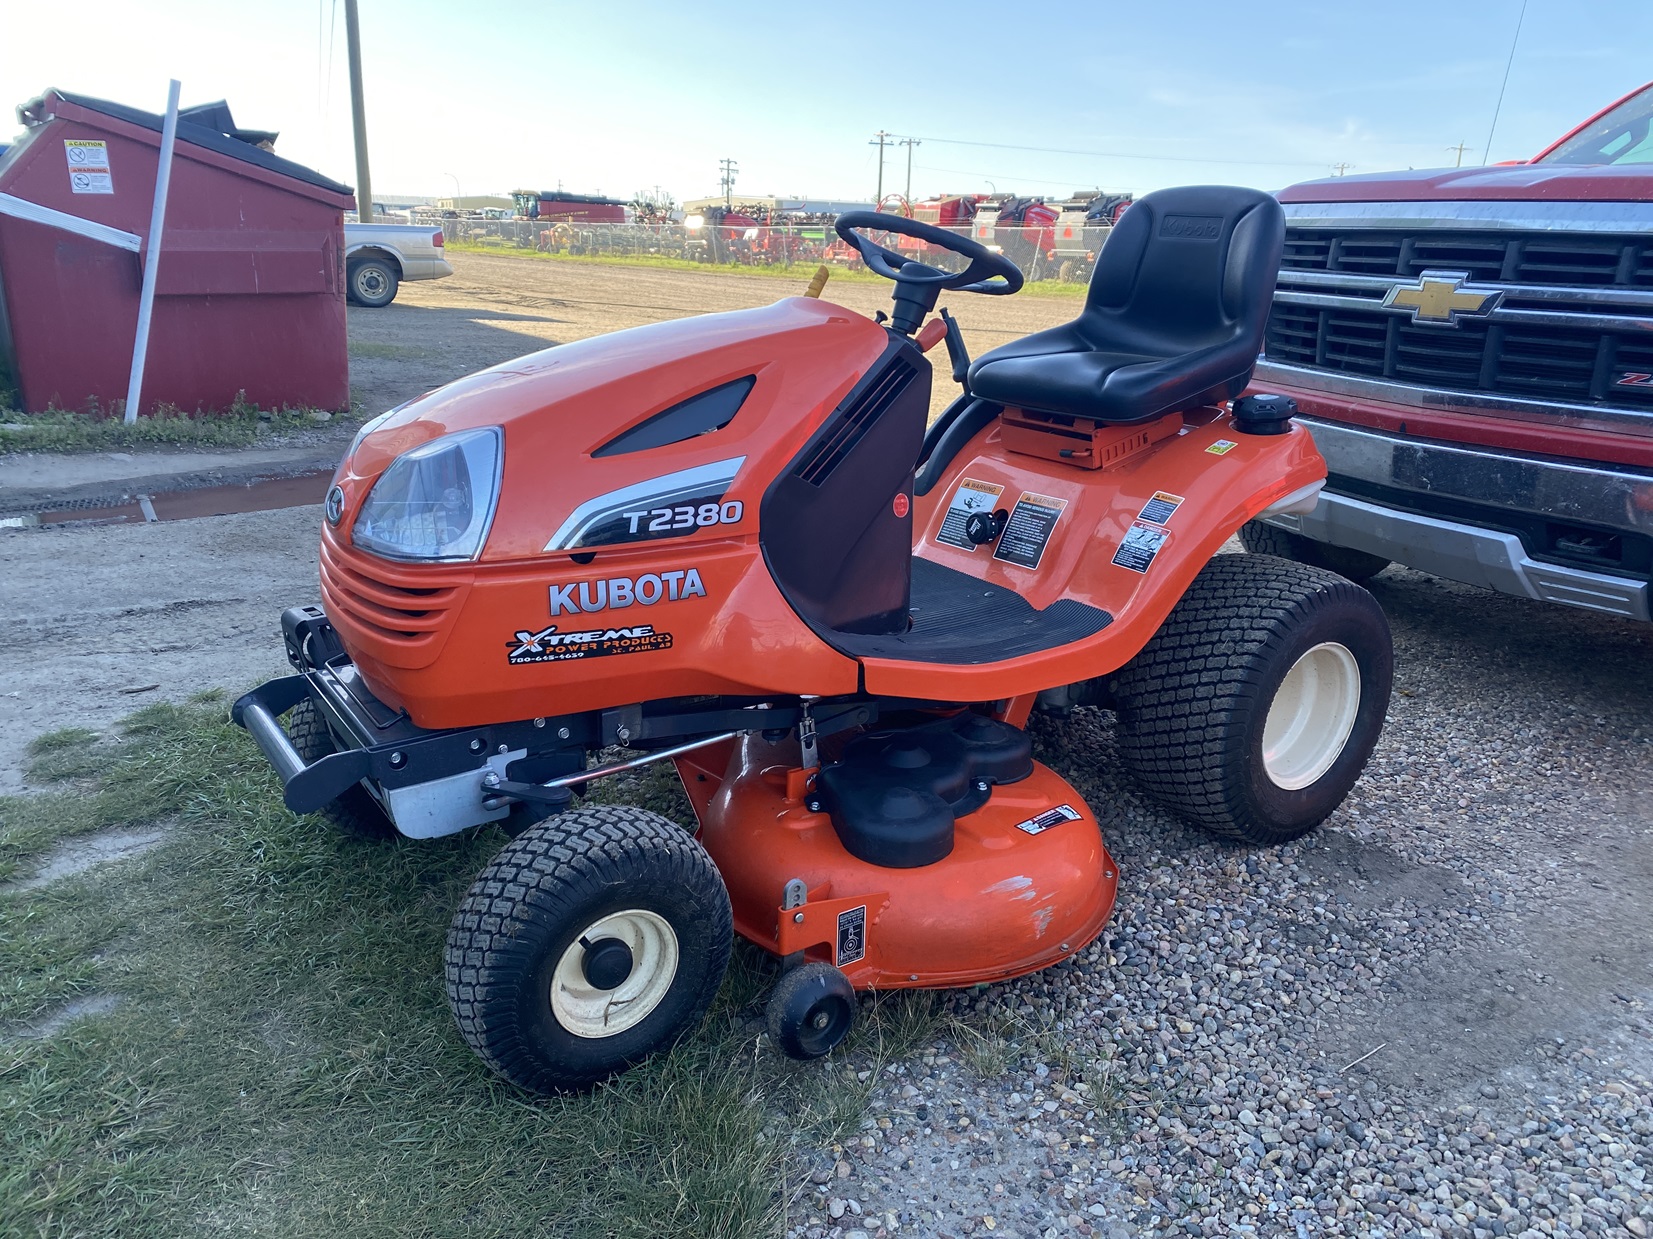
column 1440, row 298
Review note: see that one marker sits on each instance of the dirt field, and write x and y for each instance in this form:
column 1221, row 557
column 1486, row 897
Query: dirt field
column 1477, row 911
column 495, row 308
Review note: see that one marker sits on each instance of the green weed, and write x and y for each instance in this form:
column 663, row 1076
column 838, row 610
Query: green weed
column 99, row 430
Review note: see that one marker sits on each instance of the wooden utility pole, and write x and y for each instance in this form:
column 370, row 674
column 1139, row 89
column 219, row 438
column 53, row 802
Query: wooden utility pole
column 909, row 143
column 1460, row 148
column 728, row 167
column 880, row 140
column 358, row 114
column 1338, row 169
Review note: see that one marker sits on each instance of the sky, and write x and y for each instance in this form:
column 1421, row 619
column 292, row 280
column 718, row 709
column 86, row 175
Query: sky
column 613, row 98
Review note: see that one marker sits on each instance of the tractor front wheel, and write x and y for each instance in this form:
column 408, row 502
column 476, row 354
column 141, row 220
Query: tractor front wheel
column 1254, row 708
column 355, row 812
column 591, row 941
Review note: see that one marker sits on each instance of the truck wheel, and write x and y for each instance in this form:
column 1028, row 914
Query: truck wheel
column 370, row 282
column 1358, row 566
column 355, row 812
column 1253, row 709
column 590, row 942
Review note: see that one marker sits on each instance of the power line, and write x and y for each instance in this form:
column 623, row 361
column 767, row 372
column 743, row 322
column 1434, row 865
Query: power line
column 1499, row 106
column 1054, row 150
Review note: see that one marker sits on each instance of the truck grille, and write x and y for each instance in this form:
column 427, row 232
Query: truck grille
column 1572, row 323
column 1488, row 257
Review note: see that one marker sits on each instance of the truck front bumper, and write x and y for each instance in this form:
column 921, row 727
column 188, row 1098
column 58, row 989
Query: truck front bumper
column 1407, row 500
column 1464, row 553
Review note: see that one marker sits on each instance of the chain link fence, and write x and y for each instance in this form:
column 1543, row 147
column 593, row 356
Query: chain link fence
column 1041, row 254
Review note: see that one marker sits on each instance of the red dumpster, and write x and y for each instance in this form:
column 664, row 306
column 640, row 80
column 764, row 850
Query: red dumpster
column 249, row 295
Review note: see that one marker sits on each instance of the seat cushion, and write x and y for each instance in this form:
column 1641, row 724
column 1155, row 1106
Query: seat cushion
column 1057, row 371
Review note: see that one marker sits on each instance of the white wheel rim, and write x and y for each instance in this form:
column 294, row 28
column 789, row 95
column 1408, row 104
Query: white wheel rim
column 585, row 1010
column 1311, row 716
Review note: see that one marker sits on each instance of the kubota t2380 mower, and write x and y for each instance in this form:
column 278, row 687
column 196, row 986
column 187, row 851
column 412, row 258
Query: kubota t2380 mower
column 731, row 543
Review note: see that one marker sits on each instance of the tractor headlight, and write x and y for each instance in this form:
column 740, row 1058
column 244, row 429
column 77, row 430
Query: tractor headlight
column 436, row 501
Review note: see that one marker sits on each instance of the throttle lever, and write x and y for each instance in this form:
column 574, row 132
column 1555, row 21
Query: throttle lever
column 955, row 347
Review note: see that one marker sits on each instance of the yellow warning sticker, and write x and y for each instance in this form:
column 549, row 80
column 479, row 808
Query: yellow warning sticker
column 1222, row 447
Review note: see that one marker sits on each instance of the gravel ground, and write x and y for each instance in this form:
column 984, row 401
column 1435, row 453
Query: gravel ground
column 1474, row 914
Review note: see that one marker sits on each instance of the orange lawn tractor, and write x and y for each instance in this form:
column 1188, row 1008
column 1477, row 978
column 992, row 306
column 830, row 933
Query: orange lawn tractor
column 729, row 542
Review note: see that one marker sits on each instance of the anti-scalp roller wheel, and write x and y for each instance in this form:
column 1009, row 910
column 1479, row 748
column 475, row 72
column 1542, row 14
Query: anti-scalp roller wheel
column 811, row 1011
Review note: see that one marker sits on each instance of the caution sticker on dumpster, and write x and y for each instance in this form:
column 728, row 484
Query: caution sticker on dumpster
column 88, row 166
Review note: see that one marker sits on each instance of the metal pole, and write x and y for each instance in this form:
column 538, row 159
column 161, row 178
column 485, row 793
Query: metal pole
column 878, row 140
column 152, row 254
column 358, row 115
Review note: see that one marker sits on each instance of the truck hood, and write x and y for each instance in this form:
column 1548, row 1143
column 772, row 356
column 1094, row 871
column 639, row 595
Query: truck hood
column 1530, row 182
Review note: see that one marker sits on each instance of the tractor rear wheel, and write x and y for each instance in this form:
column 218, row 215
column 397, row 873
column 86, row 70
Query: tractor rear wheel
column 1263, row 539
column 591, row 941
column 1254, row 708
column 355, row 812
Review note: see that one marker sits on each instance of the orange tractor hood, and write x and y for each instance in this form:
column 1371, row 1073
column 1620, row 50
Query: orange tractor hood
column 556, row 407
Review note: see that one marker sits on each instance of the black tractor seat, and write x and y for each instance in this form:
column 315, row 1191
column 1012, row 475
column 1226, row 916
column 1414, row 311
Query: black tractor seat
column 960, row 620
column 1174, row 317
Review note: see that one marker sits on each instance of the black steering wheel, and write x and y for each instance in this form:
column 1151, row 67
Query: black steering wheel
column 978, row 277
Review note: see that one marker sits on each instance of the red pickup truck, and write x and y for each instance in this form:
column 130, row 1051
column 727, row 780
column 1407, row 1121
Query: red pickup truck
column 1472, row 349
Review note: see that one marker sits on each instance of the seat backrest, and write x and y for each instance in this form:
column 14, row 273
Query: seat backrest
column 1187, row 267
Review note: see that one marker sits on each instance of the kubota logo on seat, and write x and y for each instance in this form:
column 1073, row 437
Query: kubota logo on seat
column 612, row 593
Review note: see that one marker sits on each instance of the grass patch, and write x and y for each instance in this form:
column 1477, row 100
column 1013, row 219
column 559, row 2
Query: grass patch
column 802, row 271
column 283, row 1061
column 65, row 430
column 376, row 349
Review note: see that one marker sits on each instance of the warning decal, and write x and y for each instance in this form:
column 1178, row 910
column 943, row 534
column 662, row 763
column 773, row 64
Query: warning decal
column 88, row 166
column 852, row 935
column 1141, row 544
column 1050, row 817
column 1028, row 530
column 1160, row 508
column 971, row 497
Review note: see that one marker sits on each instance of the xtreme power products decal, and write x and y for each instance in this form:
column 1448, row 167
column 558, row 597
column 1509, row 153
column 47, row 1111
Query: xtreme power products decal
column 550, row 646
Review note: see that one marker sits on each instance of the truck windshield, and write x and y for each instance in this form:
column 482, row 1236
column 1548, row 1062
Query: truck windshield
column 1624, row 135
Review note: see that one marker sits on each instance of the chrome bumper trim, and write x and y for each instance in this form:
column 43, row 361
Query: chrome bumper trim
column 1618, row 498
column 1495, row 561
column 1550, row 413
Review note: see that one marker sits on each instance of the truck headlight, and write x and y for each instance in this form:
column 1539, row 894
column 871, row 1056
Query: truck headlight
column 436, row 501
